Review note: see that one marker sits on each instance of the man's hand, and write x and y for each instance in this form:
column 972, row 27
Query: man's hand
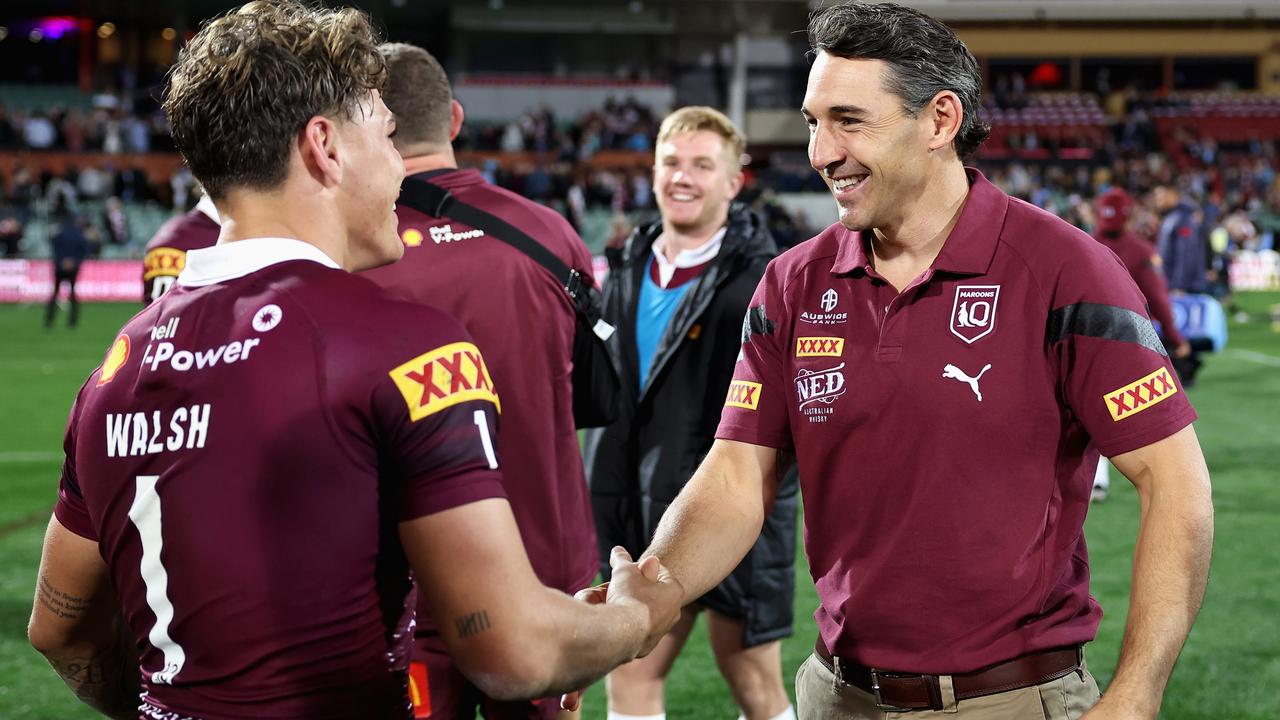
column 650, row 584
column 1183, row 350
column 647, row 582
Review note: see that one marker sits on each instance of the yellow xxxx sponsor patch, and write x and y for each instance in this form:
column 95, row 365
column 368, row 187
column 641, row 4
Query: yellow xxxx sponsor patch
column 443, row 378
column 1140, row 394
column 163, row 261
column 819, row 347
column 743, row 394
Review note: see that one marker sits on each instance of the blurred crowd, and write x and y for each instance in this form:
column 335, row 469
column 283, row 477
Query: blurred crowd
column 108, row 126
column 1231, row 185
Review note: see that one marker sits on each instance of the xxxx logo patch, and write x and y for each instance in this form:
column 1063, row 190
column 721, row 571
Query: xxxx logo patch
column 743, row 394
column 1140, row 395
column 819, row 347
column 444, row 377
column 163, row 261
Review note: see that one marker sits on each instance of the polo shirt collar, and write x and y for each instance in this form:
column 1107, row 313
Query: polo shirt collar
column 969, row 248
column 228, row 261
column 206, row 206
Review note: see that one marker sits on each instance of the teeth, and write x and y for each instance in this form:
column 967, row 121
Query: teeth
column 847, row 182
column 681, row 197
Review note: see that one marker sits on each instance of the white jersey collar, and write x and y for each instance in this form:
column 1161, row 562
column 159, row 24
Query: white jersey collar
column 206, row 206
column 685, row 258
column 228, row 261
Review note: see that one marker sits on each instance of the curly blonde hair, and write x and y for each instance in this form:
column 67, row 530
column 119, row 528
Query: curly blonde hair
column 249, row 81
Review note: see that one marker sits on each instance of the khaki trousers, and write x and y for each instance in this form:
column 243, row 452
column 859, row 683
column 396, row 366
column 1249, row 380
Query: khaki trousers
column 819, row 696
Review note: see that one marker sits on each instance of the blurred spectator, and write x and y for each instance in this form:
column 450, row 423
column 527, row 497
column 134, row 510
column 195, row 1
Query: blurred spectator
column 116, row 222
column 70, row 248
column 39, row 132
column 10, row 234
column 1181, row 242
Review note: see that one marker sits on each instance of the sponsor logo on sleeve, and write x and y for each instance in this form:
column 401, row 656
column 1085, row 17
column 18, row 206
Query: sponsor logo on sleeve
column 819, row 347
column 973, row 313
column 1139, row 395
column 116, row 356
column 743, row 394
column 444, row 377
column 163, row 261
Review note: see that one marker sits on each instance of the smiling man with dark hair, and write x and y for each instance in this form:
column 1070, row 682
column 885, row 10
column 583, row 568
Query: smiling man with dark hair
column 946, row 364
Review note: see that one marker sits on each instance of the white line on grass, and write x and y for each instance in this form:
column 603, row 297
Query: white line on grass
column 1251, row 356
column 27, row 457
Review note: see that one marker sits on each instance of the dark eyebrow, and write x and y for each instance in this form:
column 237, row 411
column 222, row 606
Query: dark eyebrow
column 853, row 110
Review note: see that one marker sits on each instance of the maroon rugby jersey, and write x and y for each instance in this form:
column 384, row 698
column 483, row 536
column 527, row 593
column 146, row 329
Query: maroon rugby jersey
column 243, row 457
column 947, row 435
column 522, row 319
column 167, row 252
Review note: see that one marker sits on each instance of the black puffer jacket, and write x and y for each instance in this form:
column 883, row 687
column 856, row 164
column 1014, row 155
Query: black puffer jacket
column 638, row 465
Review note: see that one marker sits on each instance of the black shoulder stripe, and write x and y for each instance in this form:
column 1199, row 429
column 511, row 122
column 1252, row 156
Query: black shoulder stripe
column 1103, row 321
column 756, row 323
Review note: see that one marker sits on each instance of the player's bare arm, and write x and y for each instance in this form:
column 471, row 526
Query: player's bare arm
column 1170, row 570
column 718, row 515
column 76, row 624
column 512, row 636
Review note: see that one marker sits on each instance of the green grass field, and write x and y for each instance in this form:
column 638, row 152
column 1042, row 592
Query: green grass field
column 1230, row 668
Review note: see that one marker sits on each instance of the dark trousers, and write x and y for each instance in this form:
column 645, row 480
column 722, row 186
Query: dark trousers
column 61, row 275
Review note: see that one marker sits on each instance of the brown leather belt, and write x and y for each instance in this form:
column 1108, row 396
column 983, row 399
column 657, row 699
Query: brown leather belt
column 898, row 691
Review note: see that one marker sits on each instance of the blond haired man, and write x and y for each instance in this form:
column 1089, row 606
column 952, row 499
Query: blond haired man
column 677, row 292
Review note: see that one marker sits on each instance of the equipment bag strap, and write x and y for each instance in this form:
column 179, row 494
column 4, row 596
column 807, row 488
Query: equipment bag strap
column 436, row 201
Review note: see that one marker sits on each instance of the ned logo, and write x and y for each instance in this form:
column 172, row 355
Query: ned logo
column 973, row 312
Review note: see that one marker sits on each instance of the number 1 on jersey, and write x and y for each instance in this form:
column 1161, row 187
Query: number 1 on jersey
column 482, row 422
column 145, row 514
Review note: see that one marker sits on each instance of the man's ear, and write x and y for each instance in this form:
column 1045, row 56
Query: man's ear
column 456, row 116
column 320, row 146
column 946, row 113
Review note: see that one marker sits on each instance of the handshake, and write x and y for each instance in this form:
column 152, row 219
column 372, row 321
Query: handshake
column 650, row 594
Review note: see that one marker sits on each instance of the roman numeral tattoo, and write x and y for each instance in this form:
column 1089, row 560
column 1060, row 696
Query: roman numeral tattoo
column 473, row 624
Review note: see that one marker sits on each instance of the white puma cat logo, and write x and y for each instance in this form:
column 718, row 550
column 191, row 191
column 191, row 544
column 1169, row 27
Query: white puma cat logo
column 951, row 371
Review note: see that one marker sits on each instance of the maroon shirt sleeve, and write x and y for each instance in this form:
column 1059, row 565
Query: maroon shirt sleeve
column 755, row 409
column 437, row 414
column 70, row 508
column 1112, row 368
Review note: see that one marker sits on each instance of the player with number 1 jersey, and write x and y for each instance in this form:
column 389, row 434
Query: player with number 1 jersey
column 250, row 443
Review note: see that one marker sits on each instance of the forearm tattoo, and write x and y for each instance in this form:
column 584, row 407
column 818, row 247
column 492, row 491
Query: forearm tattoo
column 473, row 624
column 61, row 604
column 105, row 678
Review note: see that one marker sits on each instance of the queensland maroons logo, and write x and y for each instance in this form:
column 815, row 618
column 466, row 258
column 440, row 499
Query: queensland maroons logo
column 973, row 313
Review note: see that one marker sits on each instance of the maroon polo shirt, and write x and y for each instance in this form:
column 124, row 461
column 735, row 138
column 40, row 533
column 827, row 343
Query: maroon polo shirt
column 522, row 319
column 946, row 434
column 243, row 457
column 166, row 253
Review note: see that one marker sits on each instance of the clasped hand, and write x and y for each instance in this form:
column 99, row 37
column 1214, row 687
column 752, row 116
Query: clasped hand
column 646, row 583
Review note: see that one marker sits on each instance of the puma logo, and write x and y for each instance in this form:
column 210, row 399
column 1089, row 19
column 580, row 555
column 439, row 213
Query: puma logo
column 951, row 371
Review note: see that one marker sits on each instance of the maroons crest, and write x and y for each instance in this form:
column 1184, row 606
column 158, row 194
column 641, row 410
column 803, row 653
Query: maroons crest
column 973, row 313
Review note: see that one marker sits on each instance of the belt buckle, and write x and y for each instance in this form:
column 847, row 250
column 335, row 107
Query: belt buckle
column 881, row 705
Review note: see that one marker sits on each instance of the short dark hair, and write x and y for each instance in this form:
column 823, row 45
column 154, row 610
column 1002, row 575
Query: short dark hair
column 250, row 80
column 418, row 93
column 923, row 55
